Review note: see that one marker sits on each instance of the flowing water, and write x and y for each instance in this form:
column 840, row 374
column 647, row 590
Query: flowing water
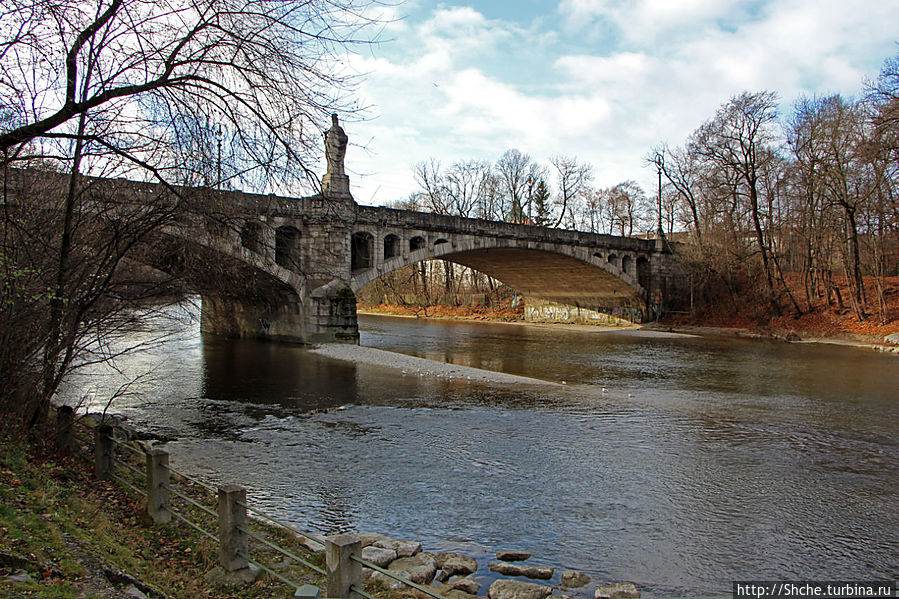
column 678, row 463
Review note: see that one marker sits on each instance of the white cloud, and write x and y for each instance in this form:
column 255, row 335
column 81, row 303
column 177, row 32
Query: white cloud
column 648, row 20
column 446, row 89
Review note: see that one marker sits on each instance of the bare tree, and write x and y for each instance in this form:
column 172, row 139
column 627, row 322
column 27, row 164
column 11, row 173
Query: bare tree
column 467, row 184
column 736, row 141
column 517, row 174
column 625, row 206
column 683, row 172
column 433, row 188
column 175, row 91
column 573, row 179
column 829, row 140
column 462, row 190
column 883, row 220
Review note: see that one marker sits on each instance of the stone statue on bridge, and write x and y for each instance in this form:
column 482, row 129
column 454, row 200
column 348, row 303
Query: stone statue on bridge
column 335, row 183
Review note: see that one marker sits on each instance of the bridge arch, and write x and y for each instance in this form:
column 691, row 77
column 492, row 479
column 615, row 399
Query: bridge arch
column 558, row 273
column 251, row 236
column 612, row 260
column 644, row 274
column 416, row 242
column 362, row 250
column 391, row 246
column 287, row 247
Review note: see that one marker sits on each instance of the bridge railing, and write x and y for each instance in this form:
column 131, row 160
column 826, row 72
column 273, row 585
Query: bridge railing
column 226, row 522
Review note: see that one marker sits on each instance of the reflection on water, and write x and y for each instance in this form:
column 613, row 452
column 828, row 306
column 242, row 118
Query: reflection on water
column 705, row 460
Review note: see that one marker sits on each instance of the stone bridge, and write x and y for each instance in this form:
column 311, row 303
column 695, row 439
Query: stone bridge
column 300, row 261
column 322, row 250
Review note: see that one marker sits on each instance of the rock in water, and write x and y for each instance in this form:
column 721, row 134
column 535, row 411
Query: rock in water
column 538, row 572
column 572, row 579
column 453, row 564
column 402, row 548
column 512, row 556
column 466, row 585
column 621, row 590
column 515, row 589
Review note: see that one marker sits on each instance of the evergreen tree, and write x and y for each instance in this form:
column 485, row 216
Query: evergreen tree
column 541, row 204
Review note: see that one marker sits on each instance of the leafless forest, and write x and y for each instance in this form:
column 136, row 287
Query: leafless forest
column 789, row 213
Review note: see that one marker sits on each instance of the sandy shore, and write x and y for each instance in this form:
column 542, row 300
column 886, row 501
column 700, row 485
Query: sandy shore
column 411, row 365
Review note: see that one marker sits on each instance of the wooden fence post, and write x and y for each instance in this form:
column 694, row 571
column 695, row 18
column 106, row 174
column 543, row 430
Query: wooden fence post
column 65, row 420
column 343, row 572
column 232, row 517
column 103, row 452
column 158, row 486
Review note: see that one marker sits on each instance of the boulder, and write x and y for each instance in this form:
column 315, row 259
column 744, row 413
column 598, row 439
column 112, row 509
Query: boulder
column 218, row 576
column 516, row 589
column 313, row 546
column 18, row 577
column 466, row 585
column 132, row 592
column 512, row 556
column 402, row 548
column 572, row 579
column 538, row 572
column 420, row 568
column 620, row 590
column 379, row 556
column 370, row 538
column 385, row 580
column 452, row 564
column 894, row 338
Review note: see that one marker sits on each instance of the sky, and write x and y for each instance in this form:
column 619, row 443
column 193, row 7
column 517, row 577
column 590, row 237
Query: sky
column 600, row 80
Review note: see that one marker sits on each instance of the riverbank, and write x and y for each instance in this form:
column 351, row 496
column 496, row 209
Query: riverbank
column 65, row 534
column 816, row 328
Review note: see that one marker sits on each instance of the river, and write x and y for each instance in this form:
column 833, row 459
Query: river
column 678, row 463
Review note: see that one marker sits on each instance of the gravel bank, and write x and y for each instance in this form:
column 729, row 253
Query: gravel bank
column 421, row 367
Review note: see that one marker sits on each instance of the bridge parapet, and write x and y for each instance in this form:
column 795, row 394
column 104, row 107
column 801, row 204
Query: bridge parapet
column 409, row 219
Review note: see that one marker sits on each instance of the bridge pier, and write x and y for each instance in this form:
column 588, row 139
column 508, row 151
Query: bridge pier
column 245, row 319
column 328, row 315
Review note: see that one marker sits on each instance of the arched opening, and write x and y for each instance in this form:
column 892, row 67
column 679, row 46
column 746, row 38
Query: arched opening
column 612, row 260
column 391, row 246
column 440, row 241
column 555, row 284
column 598, row 255
column 626, row 264
column 251, row 236
column 416, row 243
column 644, row 275
column 362, row 250
column 287, row 247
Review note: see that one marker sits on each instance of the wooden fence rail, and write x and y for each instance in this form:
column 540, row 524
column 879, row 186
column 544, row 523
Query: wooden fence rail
column 343, row 553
